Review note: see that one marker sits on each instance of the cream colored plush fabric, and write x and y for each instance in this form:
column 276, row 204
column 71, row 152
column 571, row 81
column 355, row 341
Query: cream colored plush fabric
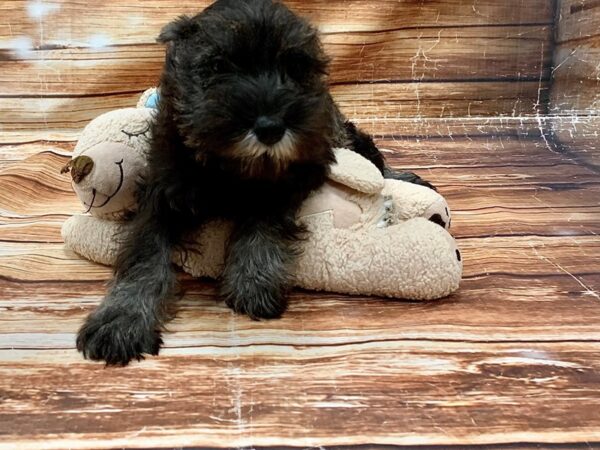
column 415, row 259
column 117, row 143
column 356, row 172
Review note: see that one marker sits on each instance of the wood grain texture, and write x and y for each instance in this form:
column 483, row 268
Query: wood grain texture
column 579, row 136
column 534, row 384
column 140, row 22
column 575, row 96
column 492, row 307
column 511, row 357
column 576, row 89
column 491, row 59
column 577, row 19
column 61, row 119
column 403, row 55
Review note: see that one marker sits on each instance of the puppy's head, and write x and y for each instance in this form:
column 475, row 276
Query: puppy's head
column 246, row 82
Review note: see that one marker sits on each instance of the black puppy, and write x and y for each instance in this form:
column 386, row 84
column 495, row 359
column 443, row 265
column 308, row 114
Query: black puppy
column 244, row 131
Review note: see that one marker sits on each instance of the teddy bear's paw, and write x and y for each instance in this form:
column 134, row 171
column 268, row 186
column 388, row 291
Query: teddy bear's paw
column 117, row 337
column 439, row 213
column 410, row 177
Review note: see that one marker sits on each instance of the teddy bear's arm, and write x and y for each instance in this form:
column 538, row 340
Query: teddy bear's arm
column 356, row 172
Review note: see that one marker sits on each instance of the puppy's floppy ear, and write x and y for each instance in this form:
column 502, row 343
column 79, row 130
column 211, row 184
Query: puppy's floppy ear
column 180, row 28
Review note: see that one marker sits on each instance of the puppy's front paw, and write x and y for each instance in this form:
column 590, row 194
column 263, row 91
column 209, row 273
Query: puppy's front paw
column 117, row 337
column 258, row 302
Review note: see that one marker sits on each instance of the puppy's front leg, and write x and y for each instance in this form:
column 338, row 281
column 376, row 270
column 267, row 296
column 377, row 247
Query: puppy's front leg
column 128, row 321
column 256, row 276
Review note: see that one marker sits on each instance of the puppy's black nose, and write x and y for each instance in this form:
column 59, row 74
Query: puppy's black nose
column 269, row 130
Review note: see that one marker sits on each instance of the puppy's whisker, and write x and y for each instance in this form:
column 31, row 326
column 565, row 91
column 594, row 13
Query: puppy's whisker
column 253, row 153
column 250, row 146
column 284, row 151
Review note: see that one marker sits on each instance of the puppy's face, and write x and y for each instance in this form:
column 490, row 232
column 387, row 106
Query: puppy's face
column 246, row 83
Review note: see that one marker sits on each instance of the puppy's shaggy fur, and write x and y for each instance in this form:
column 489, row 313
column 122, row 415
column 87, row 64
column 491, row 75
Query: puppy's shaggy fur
column 244, row 131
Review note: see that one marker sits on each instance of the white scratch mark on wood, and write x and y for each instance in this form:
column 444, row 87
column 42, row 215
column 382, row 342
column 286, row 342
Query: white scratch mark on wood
column 521, row 361
column 588, row 290
column 558, row 66
column 234, row 375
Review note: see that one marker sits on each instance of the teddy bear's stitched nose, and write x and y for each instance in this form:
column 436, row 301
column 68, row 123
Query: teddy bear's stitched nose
column 81, row 167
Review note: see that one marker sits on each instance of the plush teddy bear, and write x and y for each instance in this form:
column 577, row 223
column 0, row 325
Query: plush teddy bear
column 368, row 235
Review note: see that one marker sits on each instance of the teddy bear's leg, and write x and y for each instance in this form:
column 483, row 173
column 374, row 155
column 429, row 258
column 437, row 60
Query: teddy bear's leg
column 414, row 259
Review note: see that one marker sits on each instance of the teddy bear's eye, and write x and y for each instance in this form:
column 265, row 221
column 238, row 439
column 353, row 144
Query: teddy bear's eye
column 136, row 131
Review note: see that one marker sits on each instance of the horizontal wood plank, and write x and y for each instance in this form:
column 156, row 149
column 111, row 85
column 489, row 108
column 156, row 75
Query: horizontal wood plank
column 485, row 220
column 577, row 19
column 575, row 95
column 474, row 53
column 490, row 307
column 115, row 22
column 59, row 119
column 35, row 186
column 458, row 127
column 387, row 393
column 477, row 212
column 382, row 128
column 10, row 154
column 579, row 137
column 576, row 84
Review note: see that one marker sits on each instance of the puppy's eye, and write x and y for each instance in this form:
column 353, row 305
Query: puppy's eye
column 300, row 66
column 219, row 66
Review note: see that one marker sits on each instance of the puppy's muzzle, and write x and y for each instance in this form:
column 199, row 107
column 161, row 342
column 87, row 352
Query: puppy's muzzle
column 269, row 130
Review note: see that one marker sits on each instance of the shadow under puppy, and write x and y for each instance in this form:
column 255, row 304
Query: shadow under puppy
column 244, row 131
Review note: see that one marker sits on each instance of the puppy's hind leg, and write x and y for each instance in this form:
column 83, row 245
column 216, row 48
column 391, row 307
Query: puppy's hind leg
column 410, row 177
column 256, row 276
column 127, row 323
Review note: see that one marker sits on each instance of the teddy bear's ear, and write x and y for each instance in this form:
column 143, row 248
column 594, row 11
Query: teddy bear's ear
column 180, row 28
column 149, row 99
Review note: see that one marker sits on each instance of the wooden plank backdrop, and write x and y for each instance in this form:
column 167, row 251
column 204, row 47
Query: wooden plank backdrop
column 66, row 62
column 454, row 90
column 575, row 99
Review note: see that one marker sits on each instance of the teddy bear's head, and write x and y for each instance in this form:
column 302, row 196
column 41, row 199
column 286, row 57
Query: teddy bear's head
column 108, row 161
